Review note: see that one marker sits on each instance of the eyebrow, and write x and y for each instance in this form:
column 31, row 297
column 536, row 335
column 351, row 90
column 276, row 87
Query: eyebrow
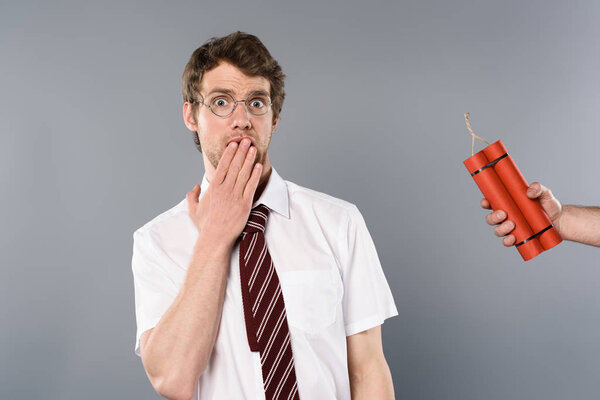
column 230, row 92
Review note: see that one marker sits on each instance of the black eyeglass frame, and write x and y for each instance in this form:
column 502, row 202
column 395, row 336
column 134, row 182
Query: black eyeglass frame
column 235, row 103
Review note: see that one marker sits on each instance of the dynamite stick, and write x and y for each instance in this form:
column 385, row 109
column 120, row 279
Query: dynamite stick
column 502, row 184
column 513, row 180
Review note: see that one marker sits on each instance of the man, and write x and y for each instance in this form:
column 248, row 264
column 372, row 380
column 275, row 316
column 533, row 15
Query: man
column 575, row 223
column 205, row 329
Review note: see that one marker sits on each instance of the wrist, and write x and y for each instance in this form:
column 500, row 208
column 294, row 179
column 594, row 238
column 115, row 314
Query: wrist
column 561, row 224
column 218, row 244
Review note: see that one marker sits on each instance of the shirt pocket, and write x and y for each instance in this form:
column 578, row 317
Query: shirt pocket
column 310, row 298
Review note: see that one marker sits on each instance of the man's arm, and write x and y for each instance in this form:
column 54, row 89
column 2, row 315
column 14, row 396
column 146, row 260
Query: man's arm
column 369, row 374
column 176, row 351
column 581, row 224
column 575, row 223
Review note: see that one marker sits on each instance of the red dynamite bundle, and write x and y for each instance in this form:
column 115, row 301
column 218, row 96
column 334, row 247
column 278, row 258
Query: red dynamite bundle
column 503, row 185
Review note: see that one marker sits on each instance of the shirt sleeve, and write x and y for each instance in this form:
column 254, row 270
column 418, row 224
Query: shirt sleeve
column 154, row 288
column 367, row 299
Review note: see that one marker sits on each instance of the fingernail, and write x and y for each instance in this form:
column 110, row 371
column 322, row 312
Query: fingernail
column 502, row 214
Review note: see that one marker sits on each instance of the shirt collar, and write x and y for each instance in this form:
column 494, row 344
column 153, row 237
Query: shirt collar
column 274, row 196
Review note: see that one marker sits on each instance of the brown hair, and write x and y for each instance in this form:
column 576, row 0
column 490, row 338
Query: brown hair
column 244, row 51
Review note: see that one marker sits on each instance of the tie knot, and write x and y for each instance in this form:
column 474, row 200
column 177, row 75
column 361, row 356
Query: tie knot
column 257, row 220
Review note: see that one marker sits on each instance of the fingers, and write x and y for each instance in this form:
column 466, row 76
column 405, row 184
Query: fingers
column 225, row 162
column 504, row 228
column 495, row 217
column 253, row 182
column 245, row 172
column 509, row 240
column 237, row 162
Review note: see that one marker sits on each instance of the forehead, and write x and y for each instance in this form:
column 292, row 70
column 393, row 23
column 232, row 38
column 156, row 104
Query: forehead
column 228, row 76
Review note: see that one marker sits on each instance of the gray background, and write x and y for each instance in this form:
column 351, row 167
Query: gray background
column 93, row 145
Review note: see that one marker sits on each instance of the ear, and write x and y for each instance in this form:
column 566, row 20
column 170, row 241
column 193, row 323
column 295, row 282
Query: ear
column 188, row 117
column 275, row 124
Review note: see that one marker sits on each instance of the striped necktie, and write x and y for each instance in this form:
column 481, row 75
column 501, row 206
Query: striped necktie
column 264, row 310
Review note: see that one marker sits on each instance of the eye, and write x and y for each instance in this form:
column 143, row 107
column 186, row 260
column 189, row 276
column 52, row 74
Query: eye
column 257, row 103
column 220, row 102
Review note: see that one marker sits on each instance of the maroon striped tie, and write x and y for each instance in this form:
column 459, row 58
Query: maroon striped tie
column 264, row 310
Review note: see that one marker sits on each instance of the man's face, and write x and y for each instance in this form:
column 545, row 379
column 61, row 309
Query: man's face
column 215, row 132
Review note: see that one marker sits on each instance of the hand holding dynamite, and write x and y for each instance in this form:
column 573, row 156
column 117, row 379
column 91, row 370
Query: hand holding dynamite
column 504, row 187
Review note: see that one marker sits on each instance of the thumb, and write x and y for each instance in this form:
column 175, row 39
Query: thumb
column 192, row 197
column 535, row 190
column 549, row 203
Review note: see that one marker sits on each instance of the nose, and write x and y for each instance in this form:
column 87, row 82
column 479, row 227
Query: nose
column 240, row 118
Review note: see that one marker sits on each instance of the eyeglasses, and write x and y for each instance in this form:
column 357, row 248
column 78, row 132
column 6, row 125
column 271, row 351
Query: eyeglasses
column 223, row 104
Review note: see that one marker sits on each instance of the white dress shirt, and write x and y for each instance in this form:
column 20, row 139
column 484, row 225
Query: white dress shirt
column 332, row 283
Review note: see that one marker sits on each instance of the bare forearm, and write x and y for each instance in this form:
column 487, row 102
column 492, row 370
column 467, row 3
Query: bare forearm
column 375, row 385
column 580, row 224
column 178, row 348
